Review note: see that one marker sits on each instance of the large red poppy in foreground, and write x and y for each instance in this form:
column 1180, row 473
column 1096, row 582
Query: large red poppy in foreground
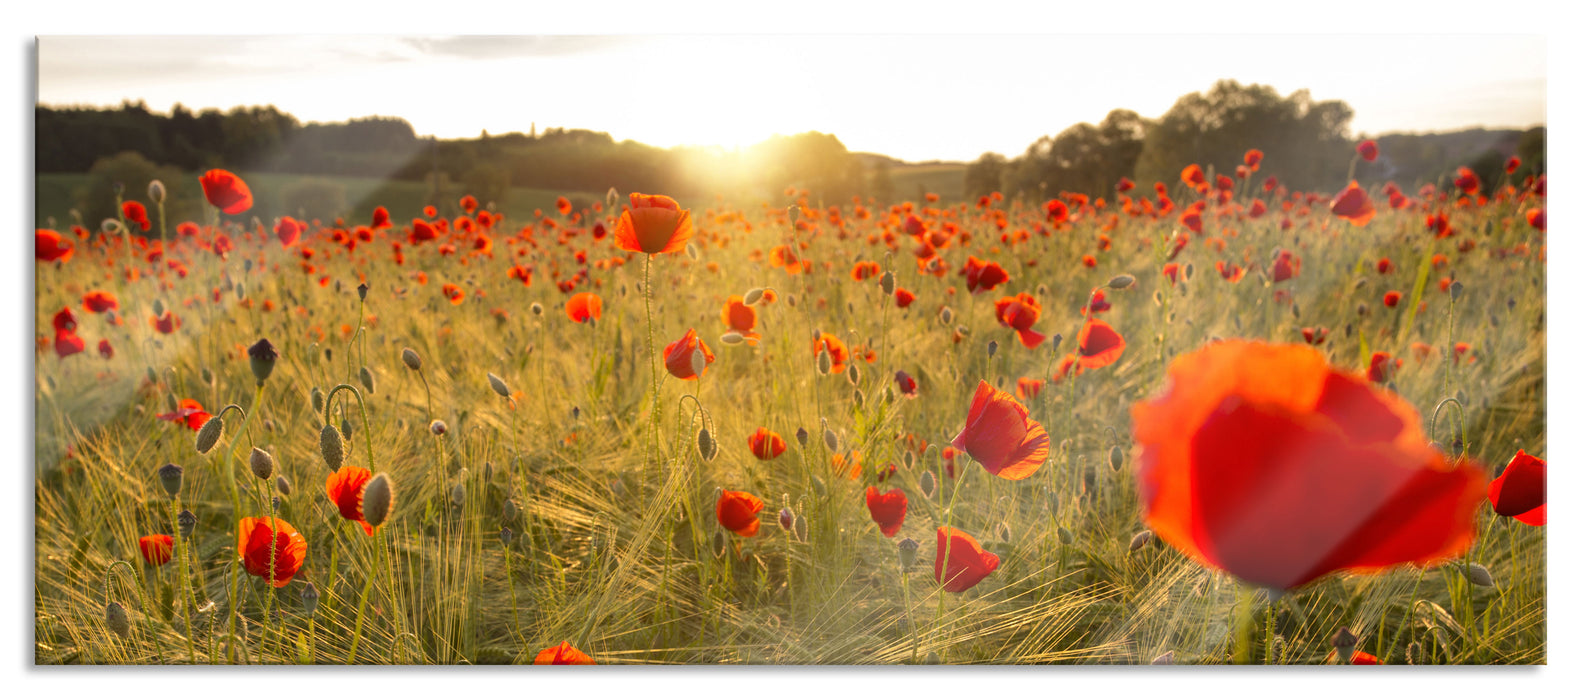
column 1519, row 490
column 254, row 539
column 965, row 564
column 1265, row 462
column 654, row 224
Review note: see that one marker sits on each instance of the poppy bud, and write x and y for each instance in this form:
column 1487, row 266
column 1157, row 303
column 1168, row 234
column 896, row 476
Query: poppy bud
column 799, row 528
column 362, row 292
column 170, row 479
column 787, row 518
column 509, row 511
column 719, row 544
column 1066, row 536
column 488, row 472
column 731, row 338
column 824, row 362
column 156, row 191
column 310, row 599
column 186, row 522
column 946, row 316
column 410, row 358
column 1116, row 457
column 994, row 346
column 1054, row 343
column 366, row 376
column 1141, row 539
column 458, row 495
column 1362, row 309
column 378, row 499
column 887, row 283
column 241, row 291
column 753, row 295
column 206, row 375
column 801, row 436
column 506, row 535
column 1159, row 298
column 699, row 363
column 159, row 307
column 830, row 440
column 852, row 374
column 794, row 212
column 316, row 399
column 152, row 378
column 262, row 357
column 907, row 459
column 1122, row 281
column 210, row 434
column 329, row 354
column 1166, row 659
column 262, row 464
column 693, row 252
column 115, row 619
column 110, row 227
column 927, row 483
column 1344, row 642
column 499, row 387
column 576, row 413
column 330, row 448
column 1455, row 290
column 346, row 429
column 171, row 404
column 908, row 550
column 1296, row 310
column 438, row 427
column 857, row 397
column 708, row 447
column 1478, row 575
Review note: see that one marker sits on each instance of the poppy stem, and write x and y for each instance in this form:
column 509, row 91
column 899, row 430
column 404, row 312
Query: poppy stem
column 653, row 361
column 186, row 582
column 362, row 602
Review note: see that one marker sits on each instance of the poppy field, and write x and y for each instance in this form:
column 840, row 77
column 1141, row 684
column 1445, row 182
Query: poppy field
column 1205, row 421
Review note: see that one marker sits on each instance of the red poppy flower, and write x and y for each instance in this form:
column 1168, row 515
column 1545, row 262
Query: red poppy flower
column 562, row 654
column 865, row 269
column 157, row 548
column 1368, row 150
column 454, row 294
column 965, row 564
column 255, row 538
column 67, row 344
column 1315, row 336
column 654, row 224
column 678, row 355
column 226, row 191
column 105, row 351
column 1028, row 388
column 905, row 384
column 1518, row 491
column 1001, row 436
column 345, row 489
column 740, row 317
column 1467, row 180
column 1172, row 271
column 1056, row 211
column 1019, row 313
column 766, row 444
column 1125, row 185
column 904, row 298
column 1253, row 158
column 189, row 411
column 1193, row 220
column 166, row 324
column 888, row 510
column 48, row 246
column 1265, row 462
column 1193, row 176
column 1285, row 266
column 1098, row 344
column 1096, row 303
column 838, row 354
column 1358, row 658
column 982, row 275
column 1380, row 367
column 1353, row 205
column 64, row 320
column 289, row 231
column 585, row 306
column 737, row 511
column 100, row 301
column 136, row 213
column 1537, row 219
column 381, row 218
column 1392, row 298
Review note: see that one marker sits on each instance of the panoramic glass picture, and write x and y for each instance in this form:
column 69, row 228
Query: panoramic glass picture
column 791, row 350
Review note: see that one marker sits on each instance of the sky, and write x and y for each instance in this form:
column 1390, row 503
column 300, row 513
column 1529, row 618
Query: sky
column 916, row 97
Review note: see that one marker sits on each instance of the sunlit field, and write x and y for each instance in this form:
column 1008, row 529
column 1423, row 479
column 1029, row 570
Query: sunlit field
column 1204, row 421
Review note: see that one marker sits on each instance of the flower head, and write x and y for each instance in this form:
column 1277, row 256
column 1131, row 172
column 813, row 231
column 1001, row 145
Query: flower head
column 256, row 537
column 226, row 191
column 1001, row 436
column 964, row 564
column 654, row 224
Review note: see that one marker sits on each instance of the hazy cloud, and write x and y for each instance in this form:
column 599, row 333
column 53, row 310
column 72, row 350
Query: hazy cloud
column 485, row 47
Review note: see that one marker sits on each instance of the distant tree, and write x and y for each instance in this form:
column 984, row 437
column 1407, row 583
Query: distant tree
column 132, row 172
column 1305, row 143
column 1083, row 158
column 983, row 175
column 1532, row 149
column 489, row 183
column 880, row 184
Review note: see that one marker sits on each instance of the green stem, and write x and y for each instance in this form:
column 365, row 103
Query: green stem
column 186, row 583
column 362, row 602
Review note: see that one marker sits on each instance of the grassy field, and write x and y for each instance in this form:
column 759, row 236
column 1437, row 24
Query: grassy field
column 609, row 492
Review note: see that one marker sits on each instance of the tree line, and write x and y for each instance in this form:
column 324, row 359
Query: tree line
column 1307, row 145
